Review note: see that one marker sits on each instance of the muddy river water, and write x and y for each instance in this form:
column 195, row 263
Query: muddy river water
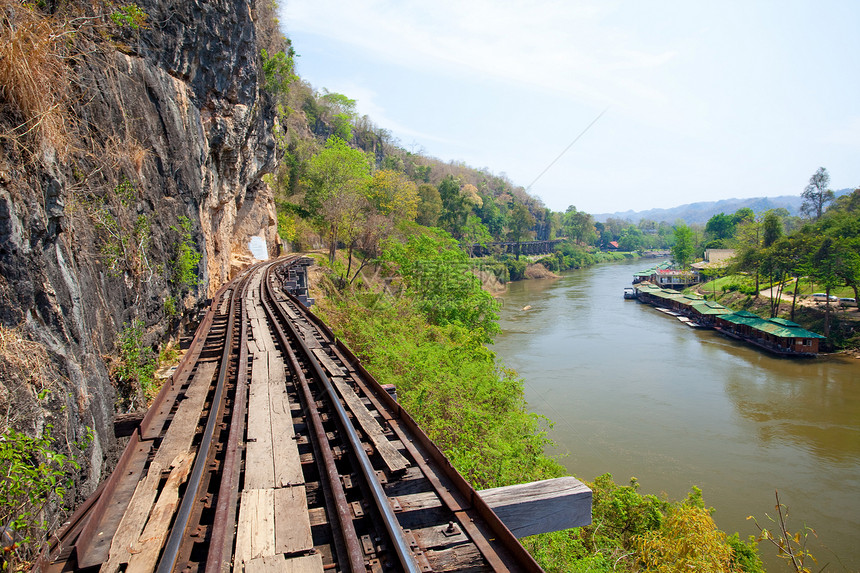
column 634, row 392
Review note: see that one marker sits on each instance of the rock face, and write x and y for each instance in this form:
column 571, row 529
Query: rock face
column 171, row 124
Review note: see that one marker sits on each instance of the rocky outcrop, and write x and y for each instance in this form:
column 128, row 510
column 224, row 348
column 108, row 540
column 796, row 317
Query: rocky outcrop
column 171, row 123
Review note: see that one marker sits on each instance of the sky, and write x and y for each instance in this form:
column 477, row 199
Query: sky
column 700, row 100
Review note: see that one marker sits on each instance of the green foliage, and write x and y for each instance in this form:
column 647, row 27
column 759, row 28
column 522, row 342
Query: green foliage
column 454, row 208
column 737, row 283
column 520, row 225
column 565, row 551
column 438, row 275
column 634, row 532
column 516, row 269
column 429, row 206
column 134, row 367
column 475, row 233
column 449, row 382
column 631, row 239
column 688, row 541
column 186, row 258
column 682, row 250
column 279, row 70
column 337, row 180
column 343, row 113
column 125, row 239
column 623, row 512
column 746, row 557
column 33, row 474
column 720, row 227
column 170, row 308
column 130, row 16
column 578, row 226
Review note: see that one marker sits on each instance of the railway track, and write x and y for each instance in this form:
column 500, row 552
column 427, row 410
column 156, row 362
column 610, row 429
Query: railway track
column 272, row 449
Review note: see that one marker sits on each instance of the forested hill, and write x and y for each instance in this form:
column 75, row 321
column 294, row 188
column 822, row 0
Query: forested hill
column 700, row 212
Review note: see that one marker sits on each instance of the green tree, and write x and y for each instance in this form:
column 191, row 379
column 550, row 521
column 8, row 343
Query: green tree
column 748, row 256
column 719, row 230
column 520, row 225
column 429, row 205
column 578, row 225
column 475, row 233
column 684, row 247
column 337, row 178
column 631, row 239
column 279, row 70
column 343, row 113
column 771, row 227
column 492, row 216
column 454, row 208
column 438, row 274
column 816, row 196
column 743, row 215
column 827, row 263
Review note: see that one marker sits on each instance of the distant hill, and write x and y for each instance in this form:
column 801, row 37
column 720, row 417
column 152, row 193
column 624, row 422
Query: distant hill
column 692, row 213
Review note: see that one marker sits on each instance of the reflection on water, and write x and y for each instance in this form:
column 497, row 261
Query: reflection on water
column 634, row 392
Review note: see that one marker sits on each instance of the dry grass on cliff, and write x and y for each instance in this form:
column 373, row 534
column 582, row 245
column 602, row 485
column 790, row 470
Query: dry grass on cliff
column 33, row 80
column 24, row 367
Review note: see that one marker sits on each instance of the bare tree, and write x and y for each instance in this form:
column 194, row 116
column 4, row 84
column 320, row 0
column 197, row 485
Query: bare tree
column 816, row 195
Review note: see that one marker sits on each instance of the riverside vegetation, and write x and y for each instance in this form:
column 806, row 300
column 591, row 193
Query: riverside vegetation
column 425, row 329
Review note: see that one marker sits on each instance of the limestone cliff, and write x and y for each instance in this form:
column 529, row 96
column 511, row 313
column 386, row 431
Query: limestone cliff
column 159, row 122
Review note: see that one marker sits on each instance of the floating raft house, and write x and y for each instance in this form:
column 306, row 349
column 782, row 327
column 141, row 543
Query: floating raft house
column 777, row 335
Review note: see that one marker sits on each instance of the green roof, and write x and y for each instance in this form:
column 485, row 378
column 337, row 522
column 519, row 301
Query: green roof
column 787, row 331
column 776, row 326
column 744, row 317
column 747, row 314
column 710, row 307
column 785, row 322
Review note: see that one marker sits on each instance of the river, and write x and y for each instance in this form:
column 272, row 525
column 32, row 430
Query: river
column 634, row 392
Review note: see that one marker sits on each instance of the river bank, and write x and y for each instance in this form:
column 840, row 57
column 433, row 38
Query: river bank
column 449, row 378
column 635, row 393
column 844, row 321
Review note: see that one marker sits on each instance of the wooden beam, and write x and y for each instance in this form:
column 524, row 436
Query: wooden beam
column 124, row 425
column 541, row 506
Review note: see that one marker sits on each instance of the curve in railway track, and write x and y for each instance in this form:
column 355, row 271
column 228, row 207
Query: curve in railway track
column 273, row 449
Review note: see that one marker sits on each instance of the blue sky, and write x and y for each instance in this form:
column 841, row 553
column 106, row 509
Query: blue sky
column 704, row 100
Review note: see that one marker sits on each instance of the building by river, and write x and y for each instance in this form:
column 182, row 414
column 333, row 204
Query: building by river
column 776, row 335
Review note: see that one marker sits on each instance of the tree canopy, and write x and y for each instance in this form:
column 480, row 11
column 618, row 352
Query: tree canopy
column 684, row 247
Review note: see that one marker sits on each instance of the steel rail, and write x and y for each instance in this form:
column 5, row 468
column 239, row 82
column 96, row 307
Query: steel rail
column 221, row 541
column 171, row 549
column 354, row 551
column 401, row 546
column 85, row 522
column 469, row 499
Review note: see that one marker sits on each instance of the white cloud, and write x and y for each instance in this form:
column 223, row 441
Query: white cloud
column 550, row 45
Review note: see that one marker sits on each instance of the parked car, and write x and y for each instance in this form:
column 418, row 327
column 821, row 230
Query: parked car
column 823, row 296
column 847, row 301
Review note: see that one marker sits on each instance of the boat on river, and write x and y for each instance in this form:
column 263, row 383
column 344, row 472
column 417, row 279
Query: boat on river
column 629, row 293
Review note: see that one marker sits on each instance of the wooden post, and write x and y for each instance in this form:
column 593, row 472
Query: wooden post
column 541, row 506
